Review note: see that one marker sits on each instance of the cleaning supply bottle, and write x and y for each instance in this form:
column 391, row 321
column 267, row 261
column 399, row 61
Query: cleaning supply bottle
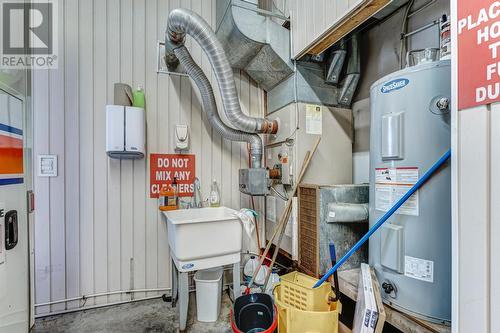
column 168, row 198
column 250, row 267
column 174, row 199
column 139, row 100
column 165, row 193
column 274, row 279
column 260, row 278
column 214, row 197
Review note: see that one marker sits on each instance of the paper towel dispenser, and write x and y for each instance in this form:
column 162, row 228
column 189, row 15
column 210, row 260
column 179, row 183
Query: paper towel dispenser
column 125, row 132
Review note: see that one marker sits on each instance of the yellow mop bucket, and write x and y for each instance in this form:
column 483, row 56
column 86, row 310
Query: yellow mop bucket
column 302, row 309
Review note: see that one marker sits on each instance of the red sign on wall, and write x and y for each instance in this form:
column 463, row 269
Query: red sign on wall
column 478, row 52
column 164, row 167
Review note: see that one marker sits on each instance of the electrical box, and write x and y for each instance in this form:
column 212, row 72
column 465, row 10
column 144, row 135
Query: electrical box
column 47, row 165
column 254, row 181
column 125, row 132
column 286, row 168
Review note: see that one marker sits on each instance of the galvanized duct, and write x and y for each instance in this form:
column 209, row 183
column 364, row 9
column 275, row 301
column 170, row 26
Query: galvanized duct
column 183, row 21
column 353, row 73
column 210, row 108
column 253, row 41
column 313, row 82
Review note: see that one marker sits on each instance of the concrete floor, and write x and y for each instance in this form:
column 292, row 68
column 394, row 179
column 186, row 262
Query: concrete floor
column 142, row 316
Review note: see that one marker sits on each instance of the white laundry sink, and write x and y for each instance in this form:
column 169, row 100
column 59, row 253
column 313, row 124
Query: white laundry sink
column 203, row 237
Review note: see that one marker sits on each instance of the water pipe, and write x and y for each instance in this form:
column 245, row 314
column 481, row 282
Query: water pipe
column 386, row 216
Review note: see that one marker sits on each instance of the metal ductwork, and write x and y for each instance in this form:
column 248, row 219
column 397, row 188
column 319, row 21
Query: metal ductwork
column 253, row 181
column 183, row 21
column 336, row 63
column 254, row 42
column 350, row 83
column 210, row 108
column 317, row 82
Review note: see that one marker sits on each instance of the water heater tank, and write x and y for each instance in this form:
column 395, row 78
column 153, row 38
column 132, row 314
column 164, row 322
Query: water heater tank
column 410, row 130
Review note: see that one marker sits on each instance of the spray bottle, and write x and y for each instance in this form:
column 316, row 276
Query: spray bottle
column 214, row 197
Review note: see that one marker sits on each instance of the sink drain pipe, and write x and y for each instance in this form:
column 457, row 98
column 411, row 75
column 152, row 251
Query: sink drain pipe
column 442, row 160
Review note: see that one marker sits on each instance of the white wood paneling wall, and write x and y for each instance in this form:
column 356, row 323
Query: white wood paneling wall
column 310, row 19
column 97, row 230
column 477, row 220
column 475, row 210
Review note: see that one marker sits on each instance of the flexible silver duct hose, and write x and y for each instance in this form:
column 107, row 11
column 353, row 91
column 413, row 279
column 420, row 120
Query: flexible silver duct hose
column 182, row 21
column 210, row 108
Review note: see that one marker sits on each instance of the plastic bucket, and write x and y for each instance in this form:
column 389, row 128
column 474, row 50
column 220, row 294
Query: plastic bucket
column 294, row 320
column 254, row 313
column 208, row 294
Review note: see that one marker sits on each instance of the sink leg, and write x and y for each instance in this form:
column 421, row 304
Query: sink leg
column 175, row 284
column 236, row 280
column 183, row 300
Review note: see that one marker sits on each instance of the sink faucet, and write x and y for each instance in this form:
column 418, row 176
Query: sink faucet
column 196, row 203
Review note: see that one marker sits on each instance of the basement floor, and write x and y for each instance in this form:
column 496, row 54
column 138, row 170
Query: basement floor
column 141, row 316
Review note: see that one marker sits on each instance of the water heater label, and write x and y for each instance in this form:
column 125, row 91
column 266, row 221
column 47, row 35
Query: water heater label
column 391, row 184
column 394, row 85
column 419, row 269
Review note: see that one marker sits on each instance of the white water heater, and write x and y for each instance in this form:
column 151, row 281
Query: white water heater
column 410, row 131
column 125, row 132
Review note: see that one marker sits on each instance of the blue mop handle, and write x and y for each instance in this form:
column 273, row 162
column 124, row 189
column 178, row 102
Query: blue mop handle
column 333, row 255
column 386, row 216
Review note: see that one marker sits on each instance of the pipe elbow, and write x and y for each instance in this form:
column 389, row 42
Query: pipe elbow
column 270, row 126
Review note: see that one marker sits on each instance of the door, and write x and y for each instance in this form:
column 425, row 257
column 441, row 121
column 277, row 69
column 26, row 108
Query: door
column 14, row 264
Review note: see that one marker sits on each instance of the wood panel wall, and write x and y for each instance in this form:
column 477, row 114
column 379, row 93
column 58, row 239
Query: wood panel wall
column 96, row 229
column 310, row 19
column 477, row 220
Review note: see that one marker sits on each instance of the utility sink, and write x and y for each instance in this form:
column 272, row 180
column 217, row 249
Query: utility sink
column 200, row 238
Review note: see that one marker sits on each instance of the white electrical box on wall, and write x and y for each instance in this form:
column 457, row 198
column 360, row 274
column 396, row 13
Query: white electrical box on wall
column 125, row 132
column 47, row 165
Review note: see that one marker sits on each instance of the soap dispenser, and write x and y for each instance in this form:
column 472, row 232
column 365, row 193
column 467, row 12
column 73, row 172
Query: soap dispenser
column 181, row 137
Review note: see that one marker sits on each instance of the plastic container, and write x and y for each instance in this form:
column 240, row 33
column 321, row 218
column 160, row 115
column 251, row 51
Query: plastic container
column 274, row 280
column 139, row 100
column 208, row 294
column 214, row 197
column 254, row 313
column 168, row 198
column 445, row 37
column 249, row 269
column 293, row 320
column 297, row 291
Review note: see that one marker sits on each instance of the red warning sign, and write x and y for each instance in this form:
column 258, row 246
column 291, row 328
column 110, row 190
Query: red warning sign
column 478, row 52
column 163, row 169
